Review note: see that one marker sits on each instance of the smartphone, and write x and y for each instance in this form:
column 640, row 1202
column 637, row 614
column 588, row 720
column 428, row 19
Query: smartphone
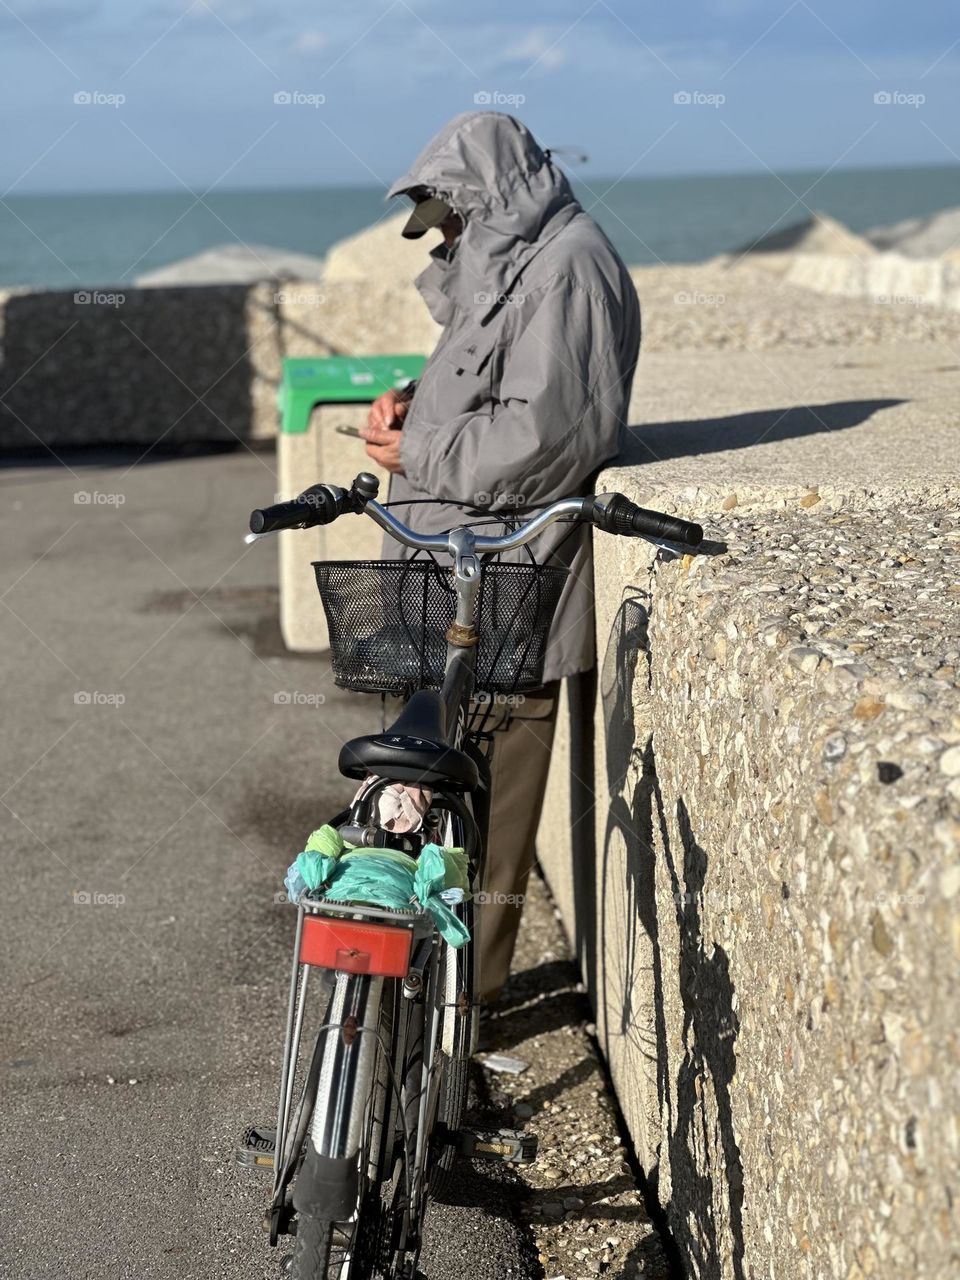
column 348, row 431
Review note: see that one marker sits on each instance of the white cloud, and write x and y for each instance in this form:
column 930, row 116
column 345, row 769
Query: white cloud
column 310, row 41
column 539, row 47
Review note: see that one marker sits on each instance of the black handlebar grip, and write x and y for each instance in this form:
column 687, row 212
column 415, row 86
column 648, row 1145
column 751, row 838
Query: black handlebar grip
column 616, row 514
column 320, row 504
column 654, row 524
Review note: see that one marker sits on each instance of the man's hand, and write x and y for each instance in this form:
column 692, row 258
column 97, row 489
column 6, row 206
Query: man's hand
column 388, row 410
column 383, row 446
column 382, row 432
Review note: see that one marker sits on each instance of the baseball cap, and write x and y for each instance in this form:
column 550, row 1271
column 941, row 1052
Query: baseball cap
column 428, row 212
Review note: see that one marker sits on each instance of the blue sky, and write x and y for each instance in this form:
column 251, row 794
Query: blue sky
column 789, row 85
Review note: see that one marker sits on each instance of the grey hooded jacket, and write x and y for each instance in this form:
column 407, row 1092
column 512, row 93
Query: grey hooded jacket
column 526, row 394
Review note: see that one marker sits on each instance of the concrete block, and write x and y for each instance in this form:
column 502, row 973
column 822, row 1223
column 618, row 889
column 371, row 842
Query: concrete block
column 320, row 454
column 886, row 279
column 174, row 367
column 764, row 897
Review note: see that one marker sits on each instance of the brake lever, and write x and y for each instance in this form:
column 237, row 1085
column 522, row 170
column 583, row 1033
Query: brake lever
column 251, row 538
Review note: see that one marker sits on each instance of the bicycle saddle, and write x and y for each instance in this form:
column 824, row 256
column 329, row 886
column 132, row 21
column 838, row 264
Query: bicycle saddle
column 412, row 749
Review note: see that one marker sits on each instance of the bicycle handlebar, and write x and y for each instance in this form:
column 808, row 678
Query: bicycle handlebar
column 620, row 515
column 610, row 512
column 320, row 504
column 317, row 505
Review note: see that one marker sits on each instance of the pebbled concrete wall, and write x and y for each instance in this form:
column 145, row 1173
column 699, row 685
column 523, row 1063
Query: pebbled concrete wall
column 753, row 837
column 163, row 367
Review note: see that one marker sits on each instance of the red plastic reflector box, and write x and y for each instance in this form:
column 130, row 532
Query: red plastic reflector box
column 355, row 947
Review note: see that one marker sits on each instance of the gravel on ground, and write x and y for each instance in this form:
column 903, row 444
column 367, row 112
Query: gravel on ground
column 583, row 1202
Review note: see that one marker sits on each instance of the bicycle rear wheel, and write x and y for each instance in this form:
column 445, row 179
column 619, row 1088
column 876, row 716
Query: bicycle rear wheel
column 337, row 1189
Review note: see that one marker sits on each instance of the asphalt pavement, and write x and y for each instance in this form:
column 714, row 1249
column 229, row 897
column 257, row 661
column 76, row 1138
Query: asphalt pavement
column 162, row 759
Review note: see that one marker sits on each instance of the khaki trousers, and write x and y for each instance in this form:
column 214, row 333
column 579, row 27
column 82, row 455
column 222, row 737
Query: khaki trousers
column 522, row 743
column 518, row 767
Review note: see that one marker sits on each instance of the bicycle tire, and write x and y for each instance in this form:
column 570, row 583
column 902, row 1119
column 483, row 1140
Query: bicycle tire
column 312, row 1248
column 399, row 1221
column 454, row 1067
column 318, row 1256
column 454, row 1093
column 403, row 1235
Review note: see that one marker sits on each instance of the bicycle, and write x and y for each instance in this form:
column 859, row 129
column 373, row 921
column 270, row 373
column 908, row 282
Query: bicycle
column 379, row 1119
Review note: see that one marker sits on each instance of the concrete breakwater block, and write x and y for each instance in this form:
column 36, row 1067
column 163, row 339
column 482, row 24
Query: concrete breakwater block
column 121, row 366
column 235, row 264
column 884, row 278
column 753, row 835
column 766, row 897
column 164, row 367
column 379, row 252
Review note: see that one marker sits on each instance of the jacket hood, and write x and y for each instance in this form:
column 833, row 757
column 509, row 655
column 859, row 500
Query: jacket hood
column 492, row 172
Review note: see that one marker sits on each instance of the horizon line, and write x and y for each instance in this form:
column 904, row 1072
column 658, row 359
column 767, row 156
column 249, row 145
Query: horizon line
column 572, row 174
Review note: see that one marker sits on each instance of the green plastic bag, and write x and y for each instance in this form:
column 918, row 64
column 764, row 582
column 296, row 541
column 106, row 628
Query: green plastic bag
column 385, row 878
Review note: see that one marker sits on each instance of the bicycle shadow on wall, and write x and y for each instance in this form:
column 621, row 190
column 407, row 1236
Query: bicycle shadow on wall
column 635, row 970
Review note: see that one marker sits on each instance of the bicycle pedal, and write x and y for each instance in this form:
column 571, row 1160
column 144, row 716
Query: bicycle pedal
column 509, row 1146
column 257, row 1147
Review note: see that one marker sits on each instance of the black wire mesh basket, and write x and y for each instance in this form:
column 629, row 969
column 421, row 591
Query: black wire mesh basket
column 388, row 619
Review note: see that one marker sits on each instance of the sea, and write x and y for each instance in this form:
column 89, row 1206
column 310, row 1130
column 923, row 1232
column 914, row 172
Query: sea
column 61, row 241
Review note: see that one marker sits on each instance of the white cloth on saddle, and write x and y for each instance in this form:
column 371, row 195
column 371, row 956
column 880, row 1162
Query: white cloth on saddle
column 401, row 807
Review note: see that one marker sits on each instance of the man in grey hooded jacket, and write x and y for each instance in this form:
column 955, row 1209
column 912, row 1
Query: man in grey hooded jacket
column 521, row 403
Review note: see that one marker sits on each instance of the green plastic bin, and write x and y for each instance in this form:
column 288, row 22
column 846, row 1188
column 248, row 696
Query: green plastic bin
column 315, row 397
column 307, row 382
